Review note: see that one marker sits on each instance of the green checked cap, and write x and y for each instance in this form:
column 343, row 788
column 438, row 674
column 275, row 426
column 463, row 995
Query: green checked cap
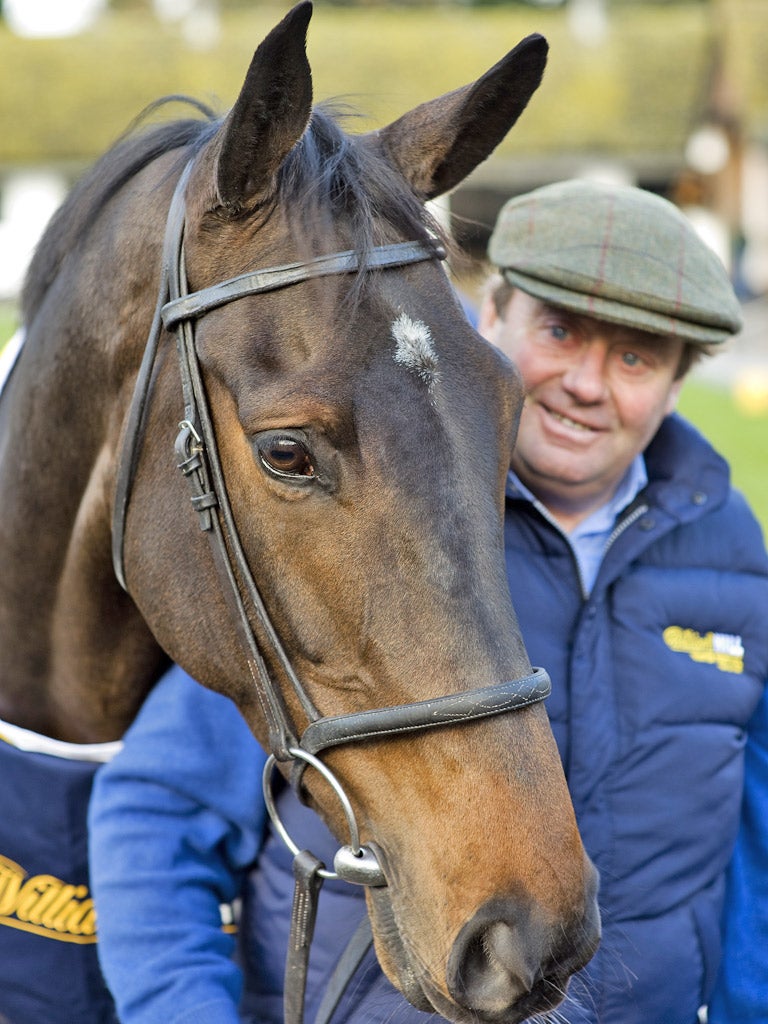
column 618, row 254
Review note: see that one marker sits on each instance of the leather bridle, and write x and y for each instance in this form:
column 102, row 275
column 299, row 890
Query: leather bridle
column 199, row 461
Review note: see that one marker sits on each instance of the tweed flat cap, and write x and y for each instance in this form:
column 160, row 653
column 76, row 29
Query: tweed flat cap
column 619, row 254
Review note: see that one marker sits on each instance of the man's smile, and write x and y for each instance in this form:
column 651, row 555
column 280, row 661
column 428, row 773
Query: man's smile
column 564, row 420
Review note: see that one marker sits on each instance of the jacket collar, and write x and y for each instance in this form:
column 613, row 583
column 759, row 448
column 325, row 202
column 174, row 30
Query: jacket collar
column 686, row 474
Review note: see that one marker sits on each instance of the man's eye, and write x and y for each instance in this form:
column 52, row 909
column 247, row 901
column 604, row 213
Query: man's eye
column 285, row 456
column 558, row 332
column 631, row 359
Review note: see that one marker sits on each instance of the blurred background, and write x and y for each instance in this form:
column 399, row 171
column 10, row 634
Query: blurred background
column 671, row 95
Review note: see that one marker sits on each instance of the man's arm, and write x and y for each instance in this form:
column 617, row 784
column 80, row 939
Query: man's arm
column 175, row 819
column 741, row 991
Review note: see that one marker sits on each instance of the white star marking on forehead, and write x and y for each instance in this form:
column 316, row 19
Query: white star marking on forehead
column 414, row 349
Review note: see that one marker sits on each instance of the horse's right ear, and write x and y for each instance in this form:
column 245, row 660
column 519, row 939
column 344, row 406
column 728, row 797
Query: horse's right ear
column 270, row 114
column 437, row 144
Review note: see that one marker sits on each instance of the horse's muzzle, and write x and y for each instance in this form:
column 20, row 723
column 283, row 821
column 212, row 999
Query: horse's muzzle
column 509, row 963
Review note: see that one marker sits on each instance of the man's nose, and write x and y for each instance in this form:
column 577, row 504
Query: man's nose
column 586, row 377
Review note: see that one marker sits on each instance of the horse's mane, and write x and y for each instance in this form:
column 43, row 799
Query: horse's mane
column 133, row 151
column 326, row 176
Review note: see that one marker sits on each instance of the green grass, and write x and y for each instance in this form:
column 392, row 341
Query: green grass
column 8, row 321
column 741, row 436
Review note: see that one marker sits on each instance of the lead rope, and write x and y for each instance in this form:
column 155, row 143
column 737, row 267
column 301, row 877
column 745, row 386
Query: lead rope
column 307, row 883
column 308, row 880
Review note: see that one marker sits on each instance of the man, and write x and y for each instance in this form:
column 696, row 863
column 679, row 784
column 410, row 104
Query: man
column 641, row 583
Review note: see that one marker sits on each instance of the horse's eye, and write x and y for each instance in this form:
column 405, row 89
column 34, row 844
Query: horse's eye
column 285, row 456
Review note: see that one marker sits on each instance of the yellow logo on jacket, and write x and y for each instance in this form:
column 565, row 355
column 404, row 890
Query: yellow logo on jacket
column 724, row 650
column 45, row 905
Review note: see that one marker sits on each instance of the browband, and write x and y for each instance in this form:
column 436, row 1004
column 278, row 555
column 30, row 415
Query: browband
column 398, row 254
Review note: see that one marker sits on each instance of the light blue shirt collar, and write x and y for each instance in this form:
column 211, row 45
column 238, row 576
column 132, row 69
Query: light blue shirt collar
column 588, row 540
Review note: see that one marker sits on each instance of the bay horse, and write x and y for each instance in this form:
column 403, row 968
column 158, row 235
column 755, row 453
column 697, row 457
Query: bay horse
column 346, row 436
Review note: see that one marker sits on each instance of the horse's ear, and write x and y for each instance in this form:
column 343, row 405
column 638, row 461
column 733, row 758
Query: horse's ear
column 436, row 145
column 270, row 114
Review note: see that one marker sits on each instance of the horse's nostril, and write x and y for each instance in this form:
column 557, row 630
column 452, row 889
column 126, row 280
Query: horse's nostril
column 504, row 951
column 495, row 972
column 492, row 966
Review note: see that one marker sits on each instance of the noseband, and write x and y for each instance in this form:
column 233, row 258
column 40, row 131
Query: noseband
column 199, row 461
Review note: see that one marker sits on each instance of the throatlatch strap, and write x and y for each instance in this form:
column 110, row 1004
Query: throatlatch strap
column 306, row 868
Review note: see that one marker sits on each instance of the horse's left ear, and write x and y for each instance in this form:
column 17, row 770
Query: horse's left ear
column 270, row 114
column 436, row 145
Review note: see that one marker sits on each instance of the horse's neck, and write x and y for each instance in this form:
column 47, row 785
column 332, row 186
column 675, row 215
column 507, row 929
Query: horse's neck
column 76, row 656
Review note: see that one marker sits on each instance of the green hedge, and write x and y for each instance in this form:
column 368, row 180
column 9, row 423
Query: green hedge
column 68, row 99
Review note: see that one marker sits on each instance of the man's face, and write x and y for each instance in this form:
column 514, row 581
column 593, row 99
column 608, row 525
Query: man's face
column 595, row 396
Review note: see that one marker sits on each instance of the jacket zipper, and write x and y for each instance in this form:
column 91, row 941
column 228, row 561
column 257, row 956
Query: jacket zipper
column 619, row 528
column 632, row 516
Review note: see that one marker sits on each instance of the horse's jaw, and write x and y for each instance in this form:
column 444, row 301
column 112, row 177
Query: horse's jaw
column 395, row 961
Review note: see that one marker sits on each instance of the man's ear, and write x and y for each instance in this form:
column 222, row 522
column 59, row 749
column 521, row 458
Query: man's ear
column 488, row 319
column 674, row 394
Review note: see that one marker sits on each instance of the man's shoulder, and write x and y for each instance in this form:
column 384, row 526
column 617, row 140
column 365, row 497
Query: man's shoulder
column 688, row 476
column 720, row 534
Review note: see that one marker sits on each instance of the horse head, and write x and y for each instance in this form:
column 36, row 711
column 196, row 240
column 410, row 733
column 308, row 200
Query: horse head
column 363, row 433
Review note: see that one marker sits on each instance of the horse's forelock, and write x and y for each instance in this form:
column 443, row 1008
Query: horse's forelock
column 332, row 178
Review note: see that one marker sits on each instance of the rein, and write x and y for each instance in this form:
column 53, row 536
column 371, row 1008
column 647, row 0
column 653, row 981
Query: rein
column 199, row 461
